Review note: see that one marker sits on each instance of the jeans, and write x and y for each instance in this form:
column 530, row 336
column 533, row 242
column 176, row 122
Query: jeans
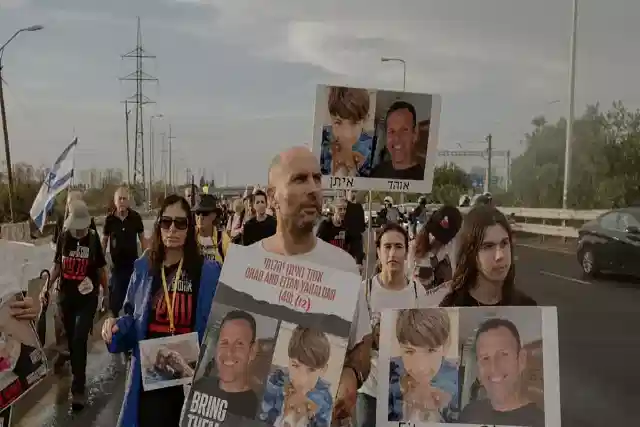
column 365, row 411
column 118, row 285
column 78, row 312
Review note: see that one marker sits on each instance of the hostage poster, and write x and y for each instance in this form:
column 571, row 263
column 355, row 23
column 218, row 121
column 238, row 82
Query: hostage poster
column 275, row 343
column 22, row 360
column 469, row 366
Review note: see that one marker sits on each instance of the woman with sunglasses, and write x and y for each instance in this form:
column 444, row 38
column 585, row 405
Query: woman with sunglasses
column 170, row 293
column 389, row 289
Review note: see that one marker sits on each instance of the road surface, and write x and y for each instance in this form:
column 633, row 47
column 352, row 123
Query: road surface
column 599, row 352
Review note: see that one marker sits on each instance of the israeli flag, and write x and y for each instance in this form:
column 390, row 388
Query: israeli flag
column 57, row 179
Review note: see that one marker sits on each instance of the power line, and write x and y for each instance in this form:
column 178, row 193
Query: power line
column 139, row 99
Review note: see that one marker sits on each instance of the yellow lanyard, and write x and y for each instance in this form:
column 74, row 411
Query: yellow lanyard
column 171, row 304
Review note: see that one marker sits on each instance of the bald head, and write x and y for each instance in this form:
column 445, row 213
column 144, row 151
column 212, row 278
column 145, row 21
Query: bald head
column 295, row 188
column 284, row 159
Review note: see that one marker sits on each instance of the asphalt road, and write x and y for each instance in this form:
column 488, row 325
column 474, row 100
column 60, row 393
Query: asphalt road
column 599, row 352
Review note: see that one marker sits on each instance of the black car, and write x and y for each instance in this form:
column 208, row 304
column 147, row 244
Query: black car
column 611, row 243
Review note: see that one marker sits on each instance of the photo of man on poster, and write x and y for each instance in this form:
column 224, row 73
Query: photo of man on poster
column 501, row 362
column 401, row 134
column 235, row 351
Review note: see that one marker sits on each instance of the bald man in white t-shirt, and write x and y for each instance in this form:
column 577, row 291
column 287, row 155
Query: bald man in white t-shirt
column 296, row 195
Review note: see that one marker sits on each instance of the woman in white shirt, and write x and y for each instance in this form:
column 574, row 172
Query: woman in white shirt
column 433, row 258
column 389, row 289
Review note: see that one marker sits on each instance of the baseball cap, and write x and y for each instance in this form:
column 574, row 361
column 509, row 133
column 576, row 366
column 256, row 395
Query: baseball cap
column 207, row 203
column 79, row 217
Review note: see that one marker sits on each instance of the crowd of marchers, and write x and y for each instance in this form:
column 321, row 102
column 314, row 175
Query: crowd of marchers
column 442, row 260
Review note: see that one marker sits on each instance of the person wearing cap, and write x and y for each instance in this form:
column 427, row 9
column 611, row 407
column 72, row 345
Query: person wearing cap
column 79, row 264
column 434, row 256
column 57, row 231
column 261, row 225
column 123, row 229
column 212, row 238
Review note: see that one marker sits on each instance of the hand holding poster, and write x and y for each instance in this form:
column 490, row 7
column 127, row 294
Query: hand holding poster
column 369, row 139
column 275, row 343
column 471, row 366
column 22, row 360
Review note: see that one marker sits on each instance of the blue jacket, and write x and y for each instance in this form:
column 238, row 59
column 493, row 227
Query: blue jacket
column 133, row 328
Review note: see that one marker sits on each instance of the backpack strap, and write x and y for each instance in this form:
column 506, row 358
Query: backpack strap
column 219, row 243
column 367, row 294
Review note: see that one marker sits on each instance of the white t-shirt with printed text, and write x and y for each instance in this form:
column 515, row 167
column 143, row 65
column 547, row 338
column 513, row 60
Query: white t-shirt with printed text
column 378, row 298
column 327, row 255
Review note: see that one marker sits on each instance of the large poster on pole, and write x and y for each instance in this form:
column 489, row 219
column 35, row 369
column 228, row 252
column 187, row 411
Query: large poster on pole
column 22, row 361
column 275, row 343
column 471, row 366
column 371, row 139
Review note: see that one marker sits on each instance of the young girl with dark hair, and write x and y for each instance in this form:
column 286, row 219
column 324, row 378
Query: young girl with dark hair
column 170, row 293
column 485, row 271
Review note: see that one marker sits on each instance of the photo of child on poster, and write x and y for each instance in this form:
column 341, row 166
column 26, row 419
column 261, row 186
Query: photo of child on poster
column 168, row 361
column 275, row 343
column 370, row 139
column 303, row 381
column 423, row 370
column 471, row 366
column 22, row 360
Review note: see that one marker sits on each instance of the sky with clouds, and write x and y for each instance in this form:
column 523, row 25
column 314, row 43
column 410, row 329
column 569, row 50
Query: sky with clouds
column 237, row 77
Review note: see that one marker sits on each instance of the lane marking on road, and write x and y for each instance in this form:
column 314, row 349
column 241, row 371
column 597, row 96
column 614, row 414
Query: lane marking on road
column 571, row 279
column 548, row 249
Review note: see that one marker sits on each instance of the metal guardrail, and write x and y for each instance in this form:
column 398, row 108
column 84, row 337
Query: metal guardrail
column 543, row 222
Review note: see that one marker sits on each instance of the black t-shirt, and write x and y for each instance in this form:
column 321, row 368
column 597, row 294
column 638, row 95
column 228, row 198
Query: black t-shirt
column 255, row 230
column 162, row 407
column 354, row 218
column 78, row 259
column 464, row 299
column 386, row 170
column 481, row 412
column 244, row 403
column 123, row 238
column 340, row 237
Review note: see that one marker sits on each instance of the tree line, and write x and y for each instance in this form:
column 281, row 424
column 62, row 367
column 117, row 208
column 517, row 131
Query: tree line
column 605, row 170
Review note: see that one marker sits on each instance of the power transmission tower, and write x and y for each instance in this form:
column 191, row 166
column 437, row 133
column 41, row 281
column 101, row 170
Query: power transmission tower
column 139, row 99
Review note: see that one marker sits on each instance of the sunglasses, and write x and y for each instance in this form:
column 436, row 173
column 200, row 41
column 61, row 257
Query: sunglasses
column 180, row 223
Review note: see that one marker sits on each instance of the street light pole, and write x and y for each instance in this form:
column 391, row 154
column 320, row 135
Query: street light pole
column 572, row 90
column 152, row 153
column 404, row 69
column 3, row 114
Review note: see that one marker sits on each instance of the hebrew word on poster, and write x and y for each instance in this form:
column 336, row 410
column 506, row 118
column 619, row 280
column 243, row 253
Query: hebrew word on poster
column 275, row 343
column 22, row 360
column 372, row 139
column 469, row 366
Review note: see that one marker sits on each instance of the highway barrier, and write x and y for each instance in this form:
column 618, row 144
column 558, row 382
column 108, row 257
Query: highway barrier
column 563, row 223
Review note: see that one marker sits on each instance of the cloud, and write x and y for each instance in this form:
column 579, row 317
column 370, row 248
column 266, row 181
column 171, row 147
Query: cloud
column 12, row 4
column 347, row 40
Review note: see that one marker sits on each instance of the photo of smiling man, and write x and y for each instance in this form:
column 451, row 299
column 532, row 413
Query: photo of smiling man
column 503, row 381
column 237, row 358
